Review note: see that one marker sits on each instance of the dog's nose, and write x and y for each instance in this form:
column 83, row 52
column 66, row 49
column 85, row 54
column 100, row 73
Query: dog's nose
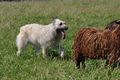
column 66, row 28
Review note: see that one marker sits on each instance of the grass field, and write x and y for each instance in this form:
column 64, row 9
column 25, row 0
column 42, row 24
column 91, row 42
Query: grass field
column 76, row 14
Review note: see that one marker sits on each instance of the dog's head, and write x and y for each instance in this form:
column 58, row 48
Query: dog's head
column 60, row 26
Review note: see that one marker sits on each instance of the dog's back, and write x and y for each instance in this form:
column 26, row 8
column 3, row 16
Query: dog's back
column 30, row 28
column 38, row 33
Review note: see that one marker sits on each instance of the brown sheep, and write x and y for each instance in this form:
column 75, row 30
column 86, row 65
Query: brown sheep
column 97, row 44
column 112, row 25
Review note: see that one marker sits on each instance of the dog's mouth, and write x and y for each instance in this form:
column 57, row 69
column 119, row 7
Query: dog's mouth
column 61, row 31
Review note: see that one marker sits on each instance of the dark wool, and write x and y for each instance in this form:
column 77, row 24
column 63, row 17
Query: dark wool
column 96, row 44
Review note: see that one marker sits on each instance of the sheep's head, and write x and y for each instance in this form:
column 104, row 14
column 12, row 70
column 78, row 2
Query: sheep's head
column 118, row 21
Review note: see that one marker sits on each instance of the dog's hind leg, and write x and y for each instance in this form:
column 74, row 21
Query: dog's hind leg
column 21, row 43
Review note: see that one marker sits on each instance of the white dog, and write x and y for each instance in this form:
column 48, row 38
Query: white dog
column 42, row 36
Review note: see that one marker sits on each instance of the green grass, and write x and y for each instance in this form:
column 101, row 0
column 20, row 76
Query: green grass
column 77, row 14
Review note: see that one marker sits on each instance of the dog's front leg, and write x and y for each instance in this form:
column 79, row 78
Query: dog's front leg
column 44, row 52
column 37, row 49
column 62, row 51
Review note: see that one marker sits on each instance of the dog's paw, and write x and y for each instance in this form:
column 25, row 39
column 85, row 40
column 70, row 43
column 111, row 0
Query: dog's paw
column 44, row 56
column 18, row 53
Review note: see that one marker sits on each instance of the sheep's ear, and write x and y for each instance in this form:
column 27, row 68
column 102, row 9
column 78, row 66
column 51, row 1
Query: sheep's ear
column 118, row 21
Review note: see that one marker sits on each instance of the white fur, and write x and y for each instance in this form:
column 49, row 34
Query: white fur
column 41, row 36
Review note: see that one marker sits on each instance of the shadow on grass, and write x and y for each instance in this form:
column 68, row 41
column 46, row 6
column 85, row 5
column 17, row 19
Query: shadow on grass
column 53, row 53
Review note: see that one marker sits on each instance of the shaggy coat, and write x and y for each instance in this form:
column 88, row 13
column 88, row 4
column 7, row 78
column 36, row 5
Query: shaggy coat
column 96, row 44
column 112, row 25
column 42, row 36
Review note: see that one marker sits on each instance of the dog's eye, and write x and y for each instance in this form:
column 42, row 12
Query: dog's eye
column 60, row 24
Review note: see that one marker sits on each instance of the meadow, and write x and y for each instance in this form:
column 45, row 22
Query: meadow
column 76, row 14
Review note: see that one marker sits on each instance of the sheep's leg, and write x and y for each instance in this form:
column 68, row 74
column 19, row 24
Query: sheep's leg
column 118, row 63
column 115, row 61
column 78, row 64
column 109, row 62
column 106, row 63
column 82, row 60
column 83, row 63
column 112, row 59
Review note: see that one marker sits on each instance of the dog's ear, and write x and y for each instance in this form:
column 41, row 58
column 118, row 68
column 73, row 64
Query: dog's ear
column 53, row 20
column 56, row 17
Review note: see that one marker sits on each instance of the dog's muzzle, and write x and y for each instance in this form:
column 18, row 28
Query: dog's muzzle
column 61, row 31
column 62, row 28
column 66, row 28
